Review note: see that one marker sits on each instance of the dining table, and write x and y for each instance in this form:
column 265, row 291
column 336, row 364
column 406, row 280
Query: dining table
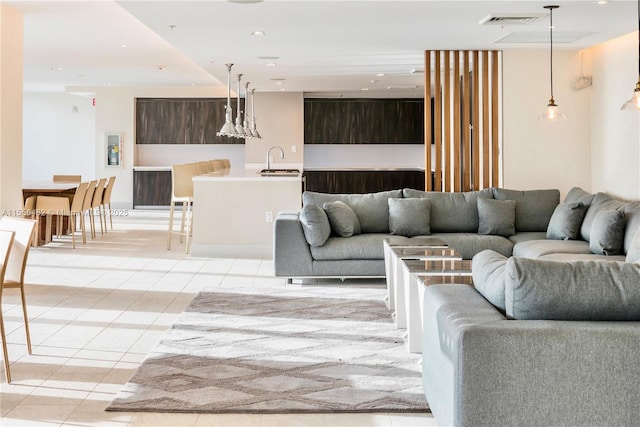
column 47, row 188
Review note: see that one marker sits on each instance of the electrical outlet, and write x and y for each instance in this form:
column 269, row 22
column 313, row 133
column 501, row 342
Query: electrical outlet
column 269, row 216
column 294, row 148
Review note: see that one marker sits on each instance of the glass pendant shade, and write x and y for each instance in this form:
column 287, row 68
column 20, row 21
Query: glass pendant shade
column 634, row 102
column 228, row 129
column 245, row 122
column 552, row 114
column 254, row 131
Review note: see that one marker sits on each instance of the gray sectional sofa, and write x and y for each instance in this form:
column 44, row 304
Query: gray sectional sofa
column 550, row 332
column 307, row 244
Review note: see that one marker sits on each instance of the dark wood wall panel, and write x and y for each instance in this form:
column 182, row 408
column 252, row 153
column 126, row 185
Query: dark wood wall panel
column 363, row 121
column 361, row 181
column 182, row 121
column 151, row 188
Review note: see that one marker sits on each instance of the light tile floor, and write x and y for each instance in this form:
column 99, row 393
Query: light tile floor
column 97, row 310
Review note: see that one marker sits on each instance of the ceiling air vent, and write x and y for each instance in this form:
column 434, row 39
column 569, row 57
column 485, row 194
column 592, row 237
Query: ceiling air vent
column 511, row 18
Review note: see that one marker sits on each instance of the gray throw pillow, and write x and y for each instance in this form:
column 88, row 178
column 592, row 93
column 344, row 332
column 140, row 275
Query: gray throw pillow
column 315, row 225
column 410, row 217
column 577, row 194
column 607, row 232
column 566, row 221
column 634, row 249
column 343, row 220
column 497, row 217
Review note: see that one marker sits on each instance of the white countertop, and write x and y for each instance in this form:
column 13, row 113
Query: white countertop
column 243, row 175
column 151, row 168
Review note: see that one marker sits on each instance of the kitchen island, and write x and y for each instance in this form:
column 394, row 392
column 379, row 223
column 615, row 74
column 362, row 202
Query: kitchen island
column 233, row 211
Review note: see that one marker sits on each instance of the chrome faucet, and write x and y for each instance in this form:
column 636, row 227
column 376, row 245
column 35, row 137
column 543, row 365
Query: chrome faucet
column 269, row 155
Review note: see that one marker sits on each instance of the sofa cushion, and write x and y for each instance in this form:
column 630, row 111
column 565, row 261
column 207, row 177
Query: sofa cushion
column 538, row 248
column 582, row 257
column 496, row 217
column 580, row 290
column 410, row 217
column 533, row 207
column 343, row 220
column 315, row 225
column 371, row 209
column 632, row 216
column 600, row 201
column 363, row 246
column 525, row 236
column 578, row 195
column 566, row 221
column 607, row 232
column 488, row 269
column 633, row 255
column 451, row 212
column 469, row 244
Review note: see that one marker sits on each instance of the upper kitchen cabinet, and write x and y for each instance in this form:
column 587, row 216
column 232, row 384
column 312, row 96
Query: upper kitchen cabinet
column 181, row 121
column 363, row 121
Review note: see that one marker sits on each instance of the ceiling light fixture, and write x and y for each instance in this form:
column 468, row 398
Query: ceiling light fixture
column 241, row 128
column 552, row 114
column 634, row 102
column 257, row 33
column 254, row 130
column 270, row 64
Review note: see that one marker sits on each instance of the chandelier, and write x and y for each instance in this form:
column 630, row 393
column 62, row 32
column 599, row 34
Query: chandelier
column 241, row 128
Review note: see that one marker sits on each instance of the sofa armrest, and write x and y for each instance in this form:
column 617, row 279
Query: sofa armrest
column 291, row 252
column 533, row 372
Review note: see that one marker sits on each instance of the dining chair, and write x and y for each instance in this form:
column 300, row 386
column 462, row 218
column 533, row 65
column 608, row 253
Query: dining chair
column 182, row 192
column 226, row 163
column 67, row 178
column 96, row 202
column 61, row 207
column 86, row 208
column 106, row 202
column 203, row 168
column 6, row 241
column 15, row 267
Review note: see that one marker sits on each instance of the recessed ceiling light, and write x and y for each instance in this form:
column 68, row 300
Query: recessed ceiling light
column 257, row 33
column 365, row 89
column 268, row 58
column 373, row 81
column 283, row 89
column 380, row 75
column 280, row 83
column 123, row 45
column 244, row 1
column 270, row 64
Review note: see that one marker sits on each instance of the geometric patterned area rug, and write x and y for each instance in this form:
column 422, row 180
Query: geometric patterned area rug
column 300, row 349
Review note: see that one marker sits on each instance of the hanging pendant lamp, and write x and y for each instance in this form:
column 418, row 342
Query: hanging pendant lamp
column 228, row 129
column 633, row 103
column 245, row 122
column 239, row 128
column 552, row 114
column 254, row 131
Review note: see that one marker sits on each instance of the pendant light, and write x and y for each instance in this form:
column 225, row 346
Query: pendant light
column 228, row 129
column 254, row 131
column 634, row 102
column 245, row 122
column 239, row 129
column 552, row 114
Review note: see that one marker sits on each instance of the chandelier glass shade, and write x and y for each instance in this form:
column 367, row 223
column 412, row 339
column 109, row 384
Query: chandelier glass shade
column 551, row 114
column 241, row 128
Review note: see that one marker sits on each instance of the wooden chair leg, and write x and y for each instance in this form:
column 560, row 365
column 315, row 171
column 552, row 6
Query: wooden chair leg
column 110, row 218
column 170, row 226
column 184, row 210
column 26, row 318
column 7, row 369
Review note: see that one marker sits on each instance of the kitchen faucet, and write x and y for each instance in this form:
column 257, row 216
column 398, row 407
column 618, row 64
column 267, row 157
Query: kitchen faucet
column 269, row 155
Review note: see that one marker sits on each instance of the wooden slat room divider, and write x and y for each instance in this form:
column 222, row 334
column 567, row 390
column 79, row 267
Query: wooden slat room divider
column 462, row 119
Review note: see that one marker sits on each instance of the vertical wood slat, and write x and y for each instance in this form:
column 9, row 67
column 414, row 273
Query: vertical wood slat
column 447, row 121
column 494, row 116
column 428, row 139
column 456, row 121
column 467, row 156
column 466, row 123
column 475, row 146
column 486, row 151
column 438, row 124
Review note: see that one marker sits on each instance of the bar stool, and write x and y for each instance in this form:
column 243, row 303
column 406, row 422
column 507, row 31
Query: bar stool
column 182, row 192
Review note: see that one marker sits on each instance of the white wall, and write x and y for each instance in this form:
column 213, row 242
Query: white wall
column 59, row 130
column 11, row 59
column 615, row 146
column 280, row 121
column 538, row 154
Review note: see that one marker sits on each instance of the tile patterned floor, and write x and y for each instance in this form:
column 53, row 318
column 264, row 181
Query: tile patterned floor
column 97, row 310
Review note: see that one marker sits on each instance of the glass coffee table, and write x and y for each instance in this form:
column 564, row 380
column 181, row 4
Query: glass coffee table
column 392, row 246
column 417, row 274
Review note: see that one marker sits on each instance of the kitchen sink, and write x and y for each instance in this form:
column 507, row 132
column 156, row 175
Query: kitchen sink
column 280, row 172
